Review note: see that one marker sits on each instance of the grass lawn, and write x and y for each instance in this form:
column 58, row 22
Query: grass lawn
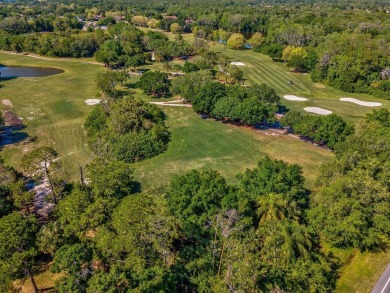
column 260, row 68
column 360, row 270
column 208, row 144
column 57, row 104
column 52, row 107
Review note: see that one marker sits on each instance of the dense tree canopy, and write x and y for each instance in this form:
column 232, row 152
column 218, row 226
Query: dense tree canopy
column 328, row 130
column 130, row 130
column 155, row 83
column 264, row 232
column 351, row 207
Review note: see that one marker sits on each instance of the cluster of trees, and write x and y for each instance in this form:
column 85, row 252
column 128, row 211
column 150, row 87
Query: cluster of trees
column 130, row 47
column 52, row 44
column 328, row 130
column 127, row 129
column 155, row 83
column 342, row 46
column 232, row 103
column 351, row 208
column 20, row 217
column 120, row 45
column 198, row 234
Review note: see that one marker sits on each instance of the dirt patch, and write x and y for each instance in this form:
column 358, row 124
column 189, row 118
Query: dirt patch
column 10, row 119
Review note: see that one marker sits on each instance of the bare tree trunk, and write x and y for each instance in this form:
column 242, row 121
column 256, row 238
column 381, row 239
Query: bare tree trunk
column 50, row 183
column 81, row 175
column 220, row 258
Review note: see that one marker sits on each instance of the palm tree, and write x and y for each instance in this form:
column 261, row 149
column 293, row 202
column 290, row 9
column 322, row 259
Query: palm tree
column 286, row 241
column 271, row 208
column 274, row 208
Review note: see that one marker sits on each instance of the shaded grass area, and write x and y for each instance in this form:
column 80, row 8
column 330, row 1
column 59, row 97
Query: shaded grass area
column 52, row 107
column 209, row 144
column 360, row 270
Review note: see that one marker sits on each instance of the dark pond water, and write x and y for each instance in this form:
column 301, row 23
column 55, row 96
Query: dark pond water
column 17, row 71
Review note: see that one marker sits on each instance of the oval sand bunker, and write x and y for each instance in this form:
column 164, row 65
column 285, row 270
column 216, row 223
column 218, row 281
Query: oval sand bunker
column 92, row 102
column 237, row 63
column 361, row 103
column 317, row 110
column 294, row 98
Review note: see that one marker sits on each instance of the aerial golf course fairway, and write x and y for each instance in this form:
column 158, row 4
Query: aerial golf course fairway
column 57, row 108
column 195, row 143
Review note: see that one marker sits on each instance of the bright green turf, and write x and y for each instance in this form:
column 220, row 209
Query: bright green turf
column 208, row 144
column 195, row 143
column 260, row 68
column 59, row 99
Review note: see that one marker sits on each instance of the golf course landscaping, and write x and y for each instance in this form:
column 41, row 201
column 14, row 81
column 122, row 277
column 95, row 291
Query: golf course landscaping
column 51, row 107
column 57, row 109
column 56, row 112
column 54, row 108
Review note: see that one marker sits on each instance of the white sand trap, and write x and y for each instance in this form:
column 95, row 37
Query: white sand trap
column 237, row 63
column 361, row 103
column 317, row 110
column 294, row 98
column 91, row 102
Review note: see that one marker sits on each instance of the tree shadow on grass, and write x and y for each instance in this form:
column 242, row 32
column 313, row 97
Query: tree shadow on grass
column 12, row 135
column 7, row 78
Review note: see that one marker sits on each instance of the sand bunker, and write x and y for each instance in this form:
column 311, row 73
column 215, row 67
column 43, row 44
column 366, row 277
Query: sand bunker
column 361, row 103
column 294, row 98
column 318, row 110
column 92, row 102
column 237, row 63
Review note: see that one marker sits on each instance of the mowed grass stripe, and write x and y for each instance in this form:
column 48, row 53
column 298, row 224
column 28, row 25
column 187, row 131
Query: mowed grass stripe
column 272, row 74
column 208, row 144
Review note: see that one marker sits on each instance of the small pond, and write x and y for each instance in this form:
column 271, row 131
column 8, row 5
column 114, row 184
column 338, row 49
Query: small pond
column 18, row 71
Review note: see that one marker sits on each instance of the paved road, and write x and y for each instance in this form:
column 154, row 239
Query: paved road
column 383, row 284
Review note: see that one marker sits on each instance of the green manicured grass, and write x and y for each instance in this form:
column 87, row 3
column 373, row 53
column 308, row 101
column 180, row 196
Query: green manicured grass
column 208, row 144
column 57, row 107
column 260, row 68
column 57, row 104
column 52, row 107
